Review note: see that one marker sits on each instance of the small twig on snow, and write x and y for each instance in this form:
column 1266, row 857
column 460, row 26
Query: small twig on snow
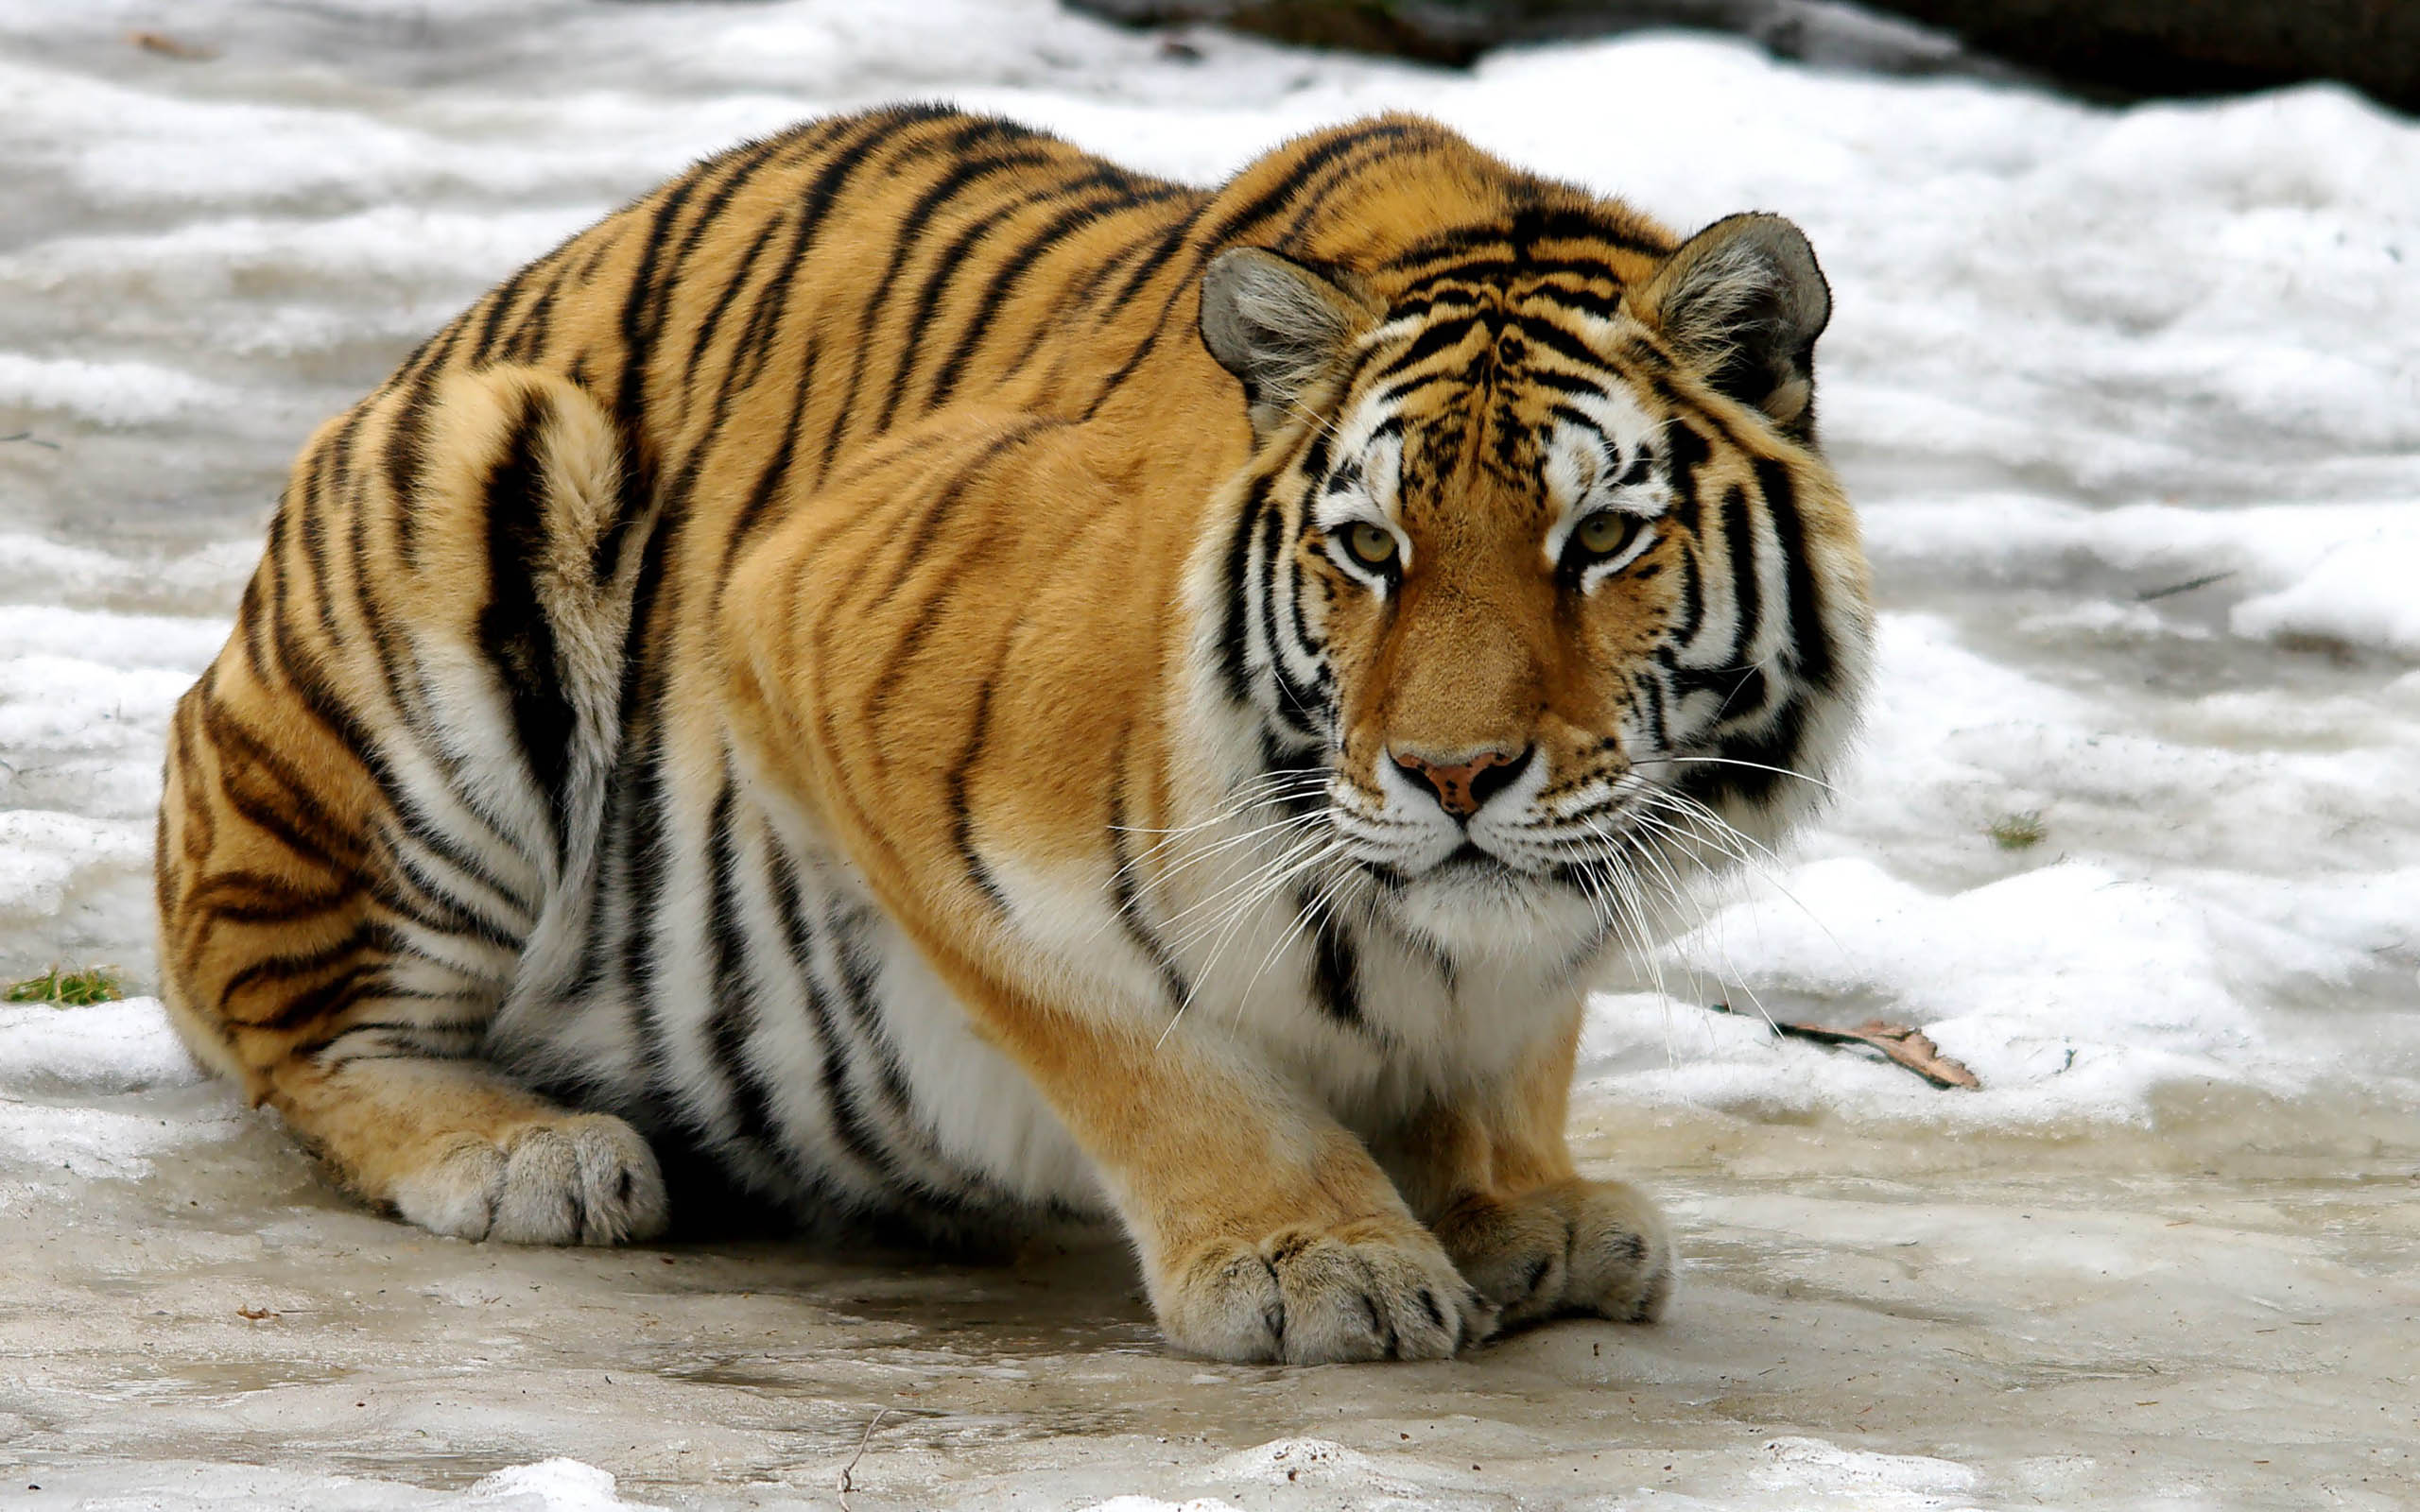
column 847, row 1470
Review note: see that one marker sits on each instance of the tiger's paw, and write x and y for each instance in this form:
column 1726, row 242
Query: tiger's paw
column 585, row 1179
column 1375, row 1288
column 1576, row 1246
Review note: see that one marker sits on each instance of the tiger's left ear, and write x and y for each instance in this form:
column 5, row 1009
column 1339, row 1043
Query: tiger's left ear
column 1743, row 303
column 1276, row 325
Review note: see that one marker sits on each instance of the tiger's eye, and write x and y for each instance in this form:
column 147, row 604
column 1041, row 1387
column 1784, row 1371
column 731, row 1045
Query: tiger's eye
column 1371, row 546
column 1605, row 532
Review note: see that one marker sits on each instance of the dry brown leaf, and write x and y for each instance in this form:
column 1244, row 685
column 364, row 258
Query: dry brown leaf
column 1905, row 1046
column 1912, row 1048
column 167, row 47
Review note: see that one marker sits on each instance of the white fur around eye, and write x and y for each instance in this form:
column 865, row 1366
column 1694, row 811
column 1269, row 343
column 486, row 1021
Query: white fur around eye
column 1335, row 536
column 1598, row 572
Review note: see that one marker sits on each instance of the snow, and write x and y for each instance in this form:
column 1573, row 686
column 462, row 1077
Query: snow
column 2131, row 403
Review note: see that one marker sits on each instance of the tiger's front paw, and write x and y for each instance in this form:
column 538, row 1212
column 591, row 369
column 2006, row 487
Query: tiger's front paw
column 582, row 1178
column 1574, row 1246
column 1375, row 1289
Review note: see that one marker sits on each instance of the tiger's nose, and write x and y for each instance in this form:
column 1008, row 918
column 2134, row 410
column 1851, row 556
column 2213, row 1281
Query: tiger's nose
column 1464, row 784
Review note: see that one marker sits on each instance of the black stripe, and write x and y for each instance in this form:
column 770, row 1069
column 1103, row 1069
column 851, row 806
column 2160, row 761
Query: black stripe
column 771, row 306
column 722, row 306
column 634, row 796
column 1440, row 337
column 499, row 307
column 639, row 306
column 1300, row 707
column 1562, row 343
column 1528, row 225
column 1125, row 895
column 318, row 1047
column 917, row 544
column 367, row 937
column 1335, row 967
column 1477, row 278
column 1649, row 685
column 975, row 1190
column 361, row 980
column 400, row 670
column 961, row 817
column 315, row 698
column 1010, row 270
column 401, row 457
column 1811, row 649
column 1692, row 609
column 319, row 501
column 733, row 1023
column 529, row 339
column 907, row 238
column 1233, row 631
column 848, row 1123
column 939, row 276
column 1739, row 543
column 1773, row 749
column 1207, row 245
column 751, row 514
column 1688, row 452
column 514, row 632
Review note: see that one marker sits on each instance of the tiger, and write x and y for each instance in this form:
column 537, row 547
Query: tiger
column 915, row 676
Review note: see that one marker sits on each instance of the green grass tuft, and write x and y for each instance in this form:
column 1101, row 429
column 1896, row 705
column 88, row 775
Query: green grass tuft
column 70, row 989
column 2018, row 831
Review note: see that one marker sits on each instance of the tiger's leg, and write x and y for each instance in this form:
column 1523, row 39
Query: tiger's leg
column 1264, row 1229
column 1493, row 1177
column 338, row 925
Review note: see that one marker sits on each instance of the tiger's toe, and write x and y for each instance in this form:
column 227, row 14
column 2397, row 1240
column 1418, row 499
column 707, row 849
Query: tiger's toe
column 1577, row 1247
column 1365, row 1291
column 580, row 1180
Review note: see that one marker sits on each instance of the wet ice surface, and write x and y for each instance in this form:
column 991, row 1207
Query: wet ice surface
column 2132, row 403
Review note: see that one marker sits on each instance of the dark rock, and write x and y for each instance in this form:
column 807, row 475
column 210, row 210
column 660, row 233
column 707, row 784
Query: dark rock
column 2140, row 47
column 2114, row 49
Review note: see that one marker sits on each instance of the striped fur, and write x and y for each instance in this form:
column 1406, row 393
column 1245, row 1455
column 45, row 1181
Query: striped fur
column 831, row 671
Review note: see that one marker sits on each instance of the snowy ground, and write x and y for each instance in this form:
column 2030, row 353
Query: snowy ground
column 2132, row 401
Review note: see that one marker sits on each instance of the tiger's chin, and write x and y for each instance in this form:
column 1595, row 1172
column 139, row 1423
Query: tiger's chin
column 1473, row 905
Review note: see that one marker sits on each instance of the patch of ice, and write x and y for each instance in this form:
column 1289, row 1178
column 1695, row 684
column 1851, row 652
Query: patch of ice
column 38, row 1142
column 132, row 641
column 549, row 1486
column 1310, row 1462
column 125, row 392
column 98, row 1051
column 1879, row 1483
column 42, row 852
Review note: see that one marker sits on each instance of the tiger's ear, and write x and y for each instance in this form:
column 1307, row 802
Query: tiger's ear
column 1743, row 303
column 1276, row 325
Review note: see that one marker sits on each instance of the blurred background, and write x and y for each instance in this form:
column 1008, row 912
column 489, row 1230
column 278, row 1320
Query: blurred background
column 2104, row 49
column 2124, row 374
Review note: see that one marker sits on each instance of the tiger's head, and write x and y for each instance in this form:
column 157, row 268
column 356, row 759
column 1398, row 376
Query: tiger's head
column 1538, row 582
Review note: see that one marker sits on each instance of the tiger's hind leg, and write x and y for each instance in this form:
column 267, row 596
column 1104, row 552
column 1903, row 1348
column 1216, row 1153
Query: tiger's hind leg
column 457, row 1149
column 336, row 998
column 353, row 862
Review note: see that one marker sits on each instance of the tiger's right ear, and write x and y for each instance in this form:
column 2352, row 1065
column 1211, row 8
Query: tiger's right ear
column 1743, row 303
column 1276, row 325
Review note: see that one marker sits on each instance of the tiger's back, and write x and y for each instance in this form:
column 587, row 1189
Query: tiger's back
column 503, row 797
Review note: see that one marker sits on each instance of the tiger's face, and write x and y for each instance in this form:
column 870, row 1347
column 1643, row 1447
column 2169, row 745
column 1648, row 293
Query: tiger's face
column 1553, row 589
